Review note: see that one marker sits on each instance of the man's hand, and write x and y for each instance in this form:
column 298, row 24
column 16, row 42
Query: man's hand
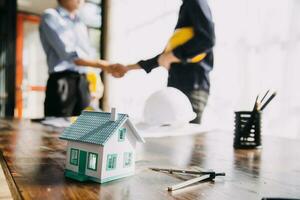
column 118, row 70
column 166, row 59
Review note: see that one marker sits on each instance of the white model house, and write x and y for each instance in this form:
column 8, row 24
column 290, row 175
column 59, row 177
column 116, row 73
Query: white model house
column 101, row 147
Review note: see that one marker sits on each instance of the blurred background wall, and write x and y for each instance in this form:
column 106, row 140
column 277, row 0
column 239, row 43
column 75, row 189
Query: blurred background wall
column 258, row 46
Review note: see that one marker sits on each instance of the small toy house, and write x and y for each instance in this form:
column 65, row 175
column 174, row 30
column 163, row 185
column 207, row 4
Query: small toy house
column 101, row 147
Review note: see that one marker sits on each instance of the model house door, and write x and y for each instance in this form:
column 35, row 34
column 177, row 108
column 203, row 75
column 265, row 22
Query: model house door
column 82, row 162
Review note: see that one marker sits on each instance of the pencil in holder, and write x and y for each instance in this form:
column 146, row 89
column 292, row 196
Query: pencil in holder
column 247, row 132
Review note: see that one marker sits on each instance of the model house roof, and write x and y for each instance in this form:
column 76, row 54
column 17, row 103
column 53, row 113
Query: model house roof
column 97, row 128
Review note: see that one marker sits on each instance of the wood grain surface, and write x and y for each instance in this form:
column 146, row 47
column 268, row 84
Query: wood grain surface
column 35, row 158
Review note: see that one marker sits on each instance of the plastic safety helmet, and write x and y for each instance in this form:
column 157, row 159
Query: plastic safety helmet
column 168, row 106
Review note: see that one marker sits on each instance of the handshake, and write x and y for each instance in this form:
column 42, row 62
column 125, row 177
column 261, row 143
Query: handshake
column 118, row 70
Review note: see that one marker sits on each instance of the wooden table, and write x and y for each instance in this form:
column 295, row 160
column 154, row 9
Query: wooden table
column 35, row 159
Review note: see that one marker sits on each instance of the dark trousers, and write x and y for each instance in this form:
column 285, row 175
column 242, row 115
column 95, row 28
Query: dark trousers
column 67, row 94
column 198, row 99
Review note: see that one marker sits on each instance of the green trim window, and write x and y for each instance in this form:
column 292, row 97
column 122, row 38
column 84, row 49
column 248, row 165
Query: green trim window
column 92, row 161
column 127, row 159
column 111, row 162
column 74, row 156
column 122, row 133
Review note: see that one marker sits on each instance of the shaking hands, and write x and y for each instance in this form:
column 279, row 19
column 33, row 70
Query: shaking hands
column 118, row 70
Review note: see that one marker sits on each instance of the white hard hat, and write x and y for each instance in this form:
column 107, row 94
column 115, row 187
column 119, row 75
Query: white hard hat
column 168, row 106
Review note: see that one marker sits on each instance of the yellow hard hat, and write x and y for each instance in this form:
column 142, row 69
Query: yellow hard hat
column 181, row 36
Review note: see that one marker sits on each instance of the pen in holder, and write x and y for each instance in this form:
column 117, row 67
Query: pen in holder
column 247, row 132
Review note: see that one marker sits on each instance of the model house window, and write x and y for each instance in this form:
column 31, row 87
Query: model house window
column 92, row 161
column 122, row 133
column 74, row 156
column 127, row 159
column 111, row 162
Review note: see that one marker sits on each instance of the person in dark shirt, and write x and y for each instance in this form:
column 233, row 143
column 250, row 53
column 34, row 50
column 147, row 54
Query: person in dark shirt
column 188, row 55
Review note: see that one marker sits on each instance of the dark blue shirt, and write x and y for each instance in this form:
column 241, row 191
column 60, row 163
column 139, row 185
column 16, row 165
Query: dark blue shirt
column 185, row 75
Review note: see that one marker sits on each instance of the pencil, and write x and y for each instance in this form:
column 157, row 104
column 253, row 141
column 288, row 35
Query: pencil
column 264, row 96
column 255, row 104
column 268, row 101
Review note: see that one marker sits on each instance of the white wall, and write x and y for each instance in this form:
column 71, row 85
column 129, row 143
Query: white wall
column 258, row 45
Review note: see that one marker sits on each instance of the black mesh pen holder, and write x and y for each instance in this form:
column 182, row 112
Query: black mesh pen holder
column 247, row 132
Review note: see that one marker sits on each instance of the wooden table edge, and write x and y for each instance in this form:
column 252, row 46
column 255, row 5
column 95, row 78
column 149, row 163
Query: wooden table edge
column 11, row 183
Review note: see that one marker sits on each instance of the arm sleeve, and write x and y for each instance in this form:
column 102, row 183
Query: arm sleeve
column 204, row 35
column 149, row 64
column 51, row 31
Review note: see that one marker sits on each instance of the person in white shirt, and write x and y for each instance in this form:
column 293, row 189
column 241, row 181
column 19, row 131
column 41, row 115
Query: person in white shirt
column 66, row 43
